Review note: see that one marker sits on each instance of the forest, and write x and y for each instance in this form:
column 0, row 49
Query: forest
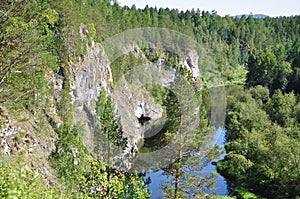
column 259, row 62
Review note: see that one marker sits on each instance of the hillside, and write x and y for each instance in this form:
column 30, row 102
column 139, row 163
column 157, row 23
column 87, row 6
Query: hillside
column 71, row 82
column 257, row 16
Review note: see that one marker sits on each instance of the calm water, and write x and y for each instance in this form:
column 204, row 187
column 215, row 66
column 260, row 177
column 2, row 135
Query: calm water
column 160, row 178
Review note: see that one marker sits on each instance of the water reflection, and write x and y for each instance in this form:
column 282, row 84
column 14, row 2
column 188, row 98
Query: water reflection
column 159, row 178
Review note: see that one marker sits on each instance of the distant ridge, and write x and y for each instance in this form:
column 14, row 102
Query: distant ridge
column 258, row 16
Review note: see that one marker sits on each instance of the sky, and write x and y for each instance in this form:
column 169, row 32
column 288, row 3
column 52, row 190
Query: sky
column 271, row 8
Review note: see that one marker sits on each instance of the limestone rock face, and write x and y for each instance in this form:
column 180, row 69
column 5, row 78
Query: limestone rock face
column 137, row 109
column 133, row 103
column 140, row 116
column 191, row 63
column 88, row 79
column 22, row 136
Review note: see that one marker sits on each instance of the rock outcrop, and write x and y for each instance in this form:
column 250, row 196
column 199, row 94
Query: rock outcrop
column 191, row 63
column 88, row 78
column 133, row 103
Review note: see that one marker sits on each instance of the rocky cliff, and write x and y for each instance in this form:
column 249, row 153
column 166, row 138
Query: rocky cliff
column 88, row 78
column 138, row 111
column 133, row 103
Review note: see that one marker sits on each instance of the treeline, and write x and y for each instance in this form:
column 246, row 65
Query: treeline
column 263, row 124
column 230, row 40
column 235, row 44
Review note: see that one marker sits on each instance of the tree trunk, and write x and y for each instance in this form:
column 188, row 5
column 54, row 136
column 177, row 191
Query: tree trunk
column 176, row 185
column 177, row 175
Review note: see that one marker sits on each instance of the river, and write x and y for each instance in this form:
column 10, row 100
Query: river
column 159, row 178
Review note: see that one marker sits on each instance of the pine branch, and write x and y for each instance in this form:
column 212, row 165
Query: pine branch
column 5, row 17
column 14, row 63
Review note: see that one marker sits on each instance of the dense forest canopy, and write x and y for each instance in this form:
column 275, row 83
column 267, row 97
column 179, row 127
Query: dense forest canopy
column 38, row 38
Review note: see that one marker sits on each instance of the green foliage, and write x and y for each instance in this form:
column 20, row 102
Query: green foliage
column 100, row 182
column 260, row 67
column 19, row 180
column 260, row 94
column 124, row 64
column 243, row 114
column 268, row 69
column 92, row 32
column 234, row 165
column 158, row 92
column 229, row 40
column 281, row 108
column 87, row 177
column 244, row 194
column 109, row 125
column 261, row 152
column 27, row 47
column 70, row 155
column 187, row 167
column 263, row 125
